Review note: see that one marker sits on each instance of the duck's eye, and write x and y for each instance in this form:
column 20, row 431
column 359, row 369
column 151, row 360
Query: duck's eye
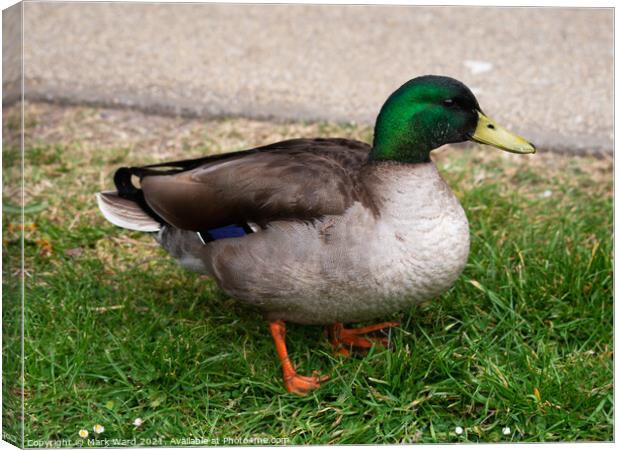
column 449, row 102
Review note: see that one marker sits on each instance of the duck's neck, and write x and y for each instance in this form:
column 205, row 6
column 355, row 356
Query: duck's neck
column 404, row 185
column 399, row 151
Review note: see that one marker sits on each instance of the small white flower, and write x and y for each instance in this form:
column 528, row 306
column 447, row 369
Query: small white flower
column 83, row 433
column 546, row 194
column 458, row 430
column 138, row 422
column 506, row 431
column 98, row 429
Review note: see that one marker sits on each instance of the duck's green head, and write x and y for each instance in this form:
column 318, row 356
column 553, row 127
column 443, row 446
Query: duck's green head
column 430, row 111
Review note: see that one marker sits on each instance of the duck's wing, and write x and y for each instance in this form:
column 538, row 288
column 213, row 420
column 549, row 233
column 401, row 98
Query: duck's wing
column 296, row 179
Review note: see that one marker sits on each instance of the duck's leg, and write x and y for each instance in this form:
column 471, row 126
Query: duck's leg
column 343, row 338
column 294, row 383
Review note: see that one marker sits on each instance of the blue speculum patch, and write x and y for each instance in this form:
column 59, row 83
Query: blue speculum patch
column 229, row 231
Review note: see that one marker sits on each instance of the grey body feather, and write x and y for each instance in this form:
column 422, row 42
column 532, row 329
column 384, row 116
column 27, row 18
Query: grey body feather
column 343, row 268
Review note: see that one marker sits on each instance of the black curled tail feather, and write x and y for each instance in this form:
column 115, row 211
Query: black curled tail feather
column 127, row 190
column 124, row 186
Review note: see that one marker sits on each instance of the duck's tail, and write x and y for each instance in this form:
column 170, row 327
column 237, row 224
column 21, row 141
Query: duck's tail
column 125, row 213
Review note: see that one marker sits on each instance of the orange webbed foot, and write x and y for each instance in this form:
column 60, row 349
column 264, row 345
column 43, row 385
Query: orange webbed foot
column 301, row 385
column 342, row 339
column 296, row 384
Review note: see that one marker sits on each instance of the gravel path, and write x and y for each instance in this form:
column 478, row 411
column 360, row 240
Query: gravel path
column 546, row 72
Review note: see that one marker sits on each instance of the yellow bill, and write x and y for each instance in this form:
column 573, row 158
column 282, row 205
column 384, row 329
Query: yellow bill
column 488, row 132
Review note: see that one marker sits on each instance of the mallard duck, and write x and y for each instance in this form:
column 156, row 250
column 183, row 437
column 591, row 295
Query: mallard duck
column 322, row 231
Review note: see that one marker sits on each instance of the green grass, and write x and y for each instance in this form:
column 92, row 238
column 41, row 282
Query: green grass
column 116, row 331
